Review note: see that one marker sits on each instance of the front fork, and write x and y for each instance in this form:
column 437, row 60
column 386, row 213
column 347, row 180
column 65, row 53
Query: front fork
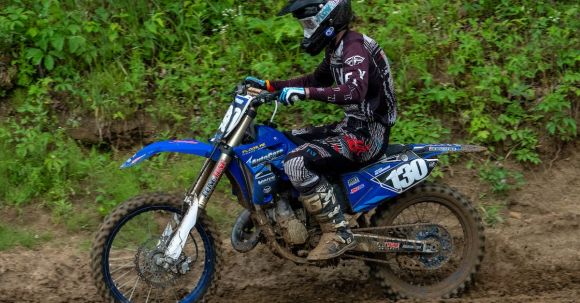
column 198, row 196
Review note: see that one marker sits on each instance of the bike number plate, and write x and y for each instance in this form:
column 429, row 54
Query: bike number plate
column 389, row 178
column 234, row 115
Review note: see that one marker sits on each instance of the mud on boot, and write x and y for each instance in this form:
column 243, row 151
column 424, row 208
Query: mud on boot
column 337, row 237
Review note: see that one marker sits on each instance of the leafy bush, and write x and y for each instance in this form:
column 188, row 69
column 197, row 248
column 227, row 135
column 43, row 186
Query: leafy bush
column 498, row 73
column 501, row 179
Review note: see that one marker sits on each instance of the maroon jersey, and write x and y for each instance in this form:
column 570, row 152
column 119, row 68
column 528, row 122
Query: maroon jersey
column 364, row 84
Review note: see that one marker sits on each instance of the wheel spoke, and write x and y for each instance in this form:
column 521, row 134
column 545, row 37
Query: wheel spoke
column 123, row 275
column 416, row 213
column 436, row 213
column 135, row 286
column 129, row 265
column 148, row 294
column 122, row 285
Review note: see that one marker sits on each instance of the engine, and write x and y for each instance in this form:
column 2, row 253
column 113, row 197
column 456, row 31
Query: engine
column 290, row 223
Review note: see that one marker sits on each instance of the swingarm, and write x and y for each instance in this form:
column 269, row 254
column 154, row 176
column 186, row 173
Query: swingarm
column 413, row 238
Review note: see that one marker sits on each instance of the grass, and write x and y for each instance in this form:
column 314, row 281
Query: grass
column 224, row 215
column 85, row 245
column 86, row 220
column 11, row 237
column 492, row 213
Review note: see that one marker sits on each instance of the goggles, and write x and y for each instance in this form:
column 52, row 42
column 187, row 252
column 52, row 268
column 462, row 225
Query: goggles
column 311, row 24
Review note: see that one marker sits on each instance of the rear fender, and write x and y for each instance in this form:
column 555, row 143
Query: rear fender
column 190, row 147
column 430, row 151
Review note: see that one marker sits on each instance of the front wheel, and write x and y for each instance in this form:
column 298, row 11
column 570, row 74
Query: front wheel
column 444, row 218
column 133, row 236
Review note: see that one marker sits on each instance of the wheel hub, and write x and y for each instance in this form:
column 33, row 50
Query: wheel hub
column 156, row 270
column 149, row 270
column 440, row 241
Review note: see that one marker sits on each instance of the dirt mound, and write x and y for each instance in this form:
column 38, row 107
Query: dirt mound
column 532, row 257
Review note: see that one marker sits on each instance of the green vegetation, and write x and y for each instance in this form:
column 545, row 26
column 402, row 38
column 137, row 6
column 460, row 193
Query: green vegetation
column 11, row 237
column 501, row 179
column 492, row 213
column 504, row 74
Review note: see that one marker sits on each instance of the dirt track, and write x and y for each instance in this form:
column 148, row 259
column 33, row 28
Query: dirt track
column 534, row 256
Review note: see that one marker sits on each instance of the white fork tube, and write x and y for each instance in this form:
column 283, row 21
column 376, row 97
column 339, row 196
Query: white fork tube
column 177, row 243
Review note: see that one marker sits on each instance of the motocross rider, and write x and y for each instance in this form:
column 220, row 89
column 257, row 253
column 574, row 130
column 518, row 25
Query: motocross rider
column 364, row 89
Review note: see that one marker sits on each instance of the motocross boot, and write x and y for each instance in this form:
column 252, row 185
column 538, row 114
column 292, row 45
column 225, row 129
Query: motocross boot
column 337, row 237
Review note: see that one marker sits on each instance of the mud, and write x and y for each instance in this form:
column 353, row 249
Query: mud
column 533, row 256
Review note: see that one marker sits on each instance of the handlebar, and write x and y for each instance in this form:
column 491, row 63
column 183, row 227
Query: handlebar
column 264, row 96
column 261, row 96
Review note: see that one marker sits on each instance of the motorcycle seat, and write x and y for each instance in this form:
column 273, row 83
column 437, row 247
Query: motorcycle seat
column 394, row 149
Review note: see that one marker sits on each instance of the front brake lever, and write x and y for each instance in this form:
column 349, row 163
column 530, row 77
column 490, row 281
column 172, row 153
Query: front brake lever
column 239, row 90
column 261, row 98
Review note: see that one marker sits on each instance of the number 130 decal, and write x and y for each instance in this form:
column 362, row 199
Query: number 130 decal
column 406, row 175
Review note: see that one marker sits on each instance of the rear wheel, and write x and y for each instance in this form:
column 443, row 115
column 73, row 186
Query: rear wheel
column 126, row 247
column 460, row 247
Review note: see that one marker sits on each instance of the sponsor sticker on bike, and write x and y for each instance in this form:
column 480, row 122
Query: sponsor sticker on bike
column 267, row 180
column 392, row 245
column 357, row 189
column 241, row 99
column 219, row 169
column 444, row 148
column 353, row 181
column 253, row 149
column 267, row 189
column 184, row 141
column 268, row 157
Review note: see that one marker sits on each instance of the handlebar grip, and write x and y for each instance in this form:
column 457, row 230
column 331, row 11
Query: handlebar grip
column 255, row 91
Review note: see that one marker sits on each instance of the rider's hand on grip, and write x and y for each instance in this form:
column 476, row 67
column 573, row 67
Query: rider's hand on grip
column 259, row 83
column 289, row 95
column 255, row 82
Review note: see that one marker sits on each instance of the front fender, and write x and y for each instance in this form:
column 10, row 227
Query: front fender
column 189, row 146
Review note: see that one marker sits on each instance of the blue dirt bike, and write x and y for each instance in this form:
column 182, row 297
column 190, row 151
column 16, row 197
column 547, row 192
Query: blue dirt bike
column 420, row 240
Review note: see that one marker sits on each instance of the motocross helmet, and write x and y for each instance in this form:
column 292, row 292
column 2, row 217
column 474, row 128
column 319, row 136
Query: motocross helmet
column 320, row 19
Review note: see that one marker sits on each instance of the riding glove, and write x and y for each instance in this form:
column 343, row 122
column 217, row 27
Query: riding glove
column 289, row 94
column 259, row 83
